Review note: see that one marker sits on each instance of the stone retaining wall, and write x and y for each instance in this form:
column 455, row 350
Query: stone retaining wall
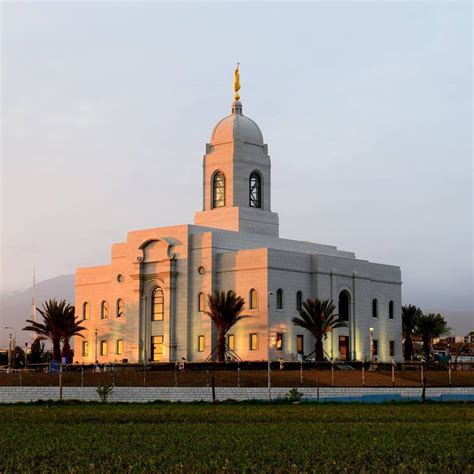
column 191, row 394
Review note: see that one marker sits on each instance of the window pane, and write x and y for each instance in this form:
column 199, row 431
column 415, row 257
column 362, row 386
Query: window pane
column 86, row 311
column 103, row 348
column 253, row 299
column 392, row 348
column 218, row 190
column 201, row 344
column 279, row 342
column 120, row 308
column 156, row 348
column 280, row 299
column 299, row 344
column 85, row 348
column 201, row 302
column 255, row 190
column 344, row 307
column 374, row 308
column 157, row 305
column 231, row 342
column 253, row 342
column 390, row 310
column 299, row 300
column 119, row 346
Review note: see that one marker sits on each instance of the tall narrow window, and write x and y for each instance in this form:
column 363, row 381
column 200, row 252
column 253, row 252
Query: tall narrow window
column 157, row 305
column 85, row 348
column 279, row 298
column 390, row 310
column 119, row 347
column 103, row 348
column 375, row 308
column 253, row 341
column 392, row 348
column 120, row 308
column 86, row 311
column 218, row 190
column 255, row 190
column 344, row 305
column 201, row 302
column 300, row 344
column 253, row 301
column 299, row 300
column 156, row 348
column 375, row 347
column 231, row 342
column 104, row 310
column 200, row 343
column 279, row 342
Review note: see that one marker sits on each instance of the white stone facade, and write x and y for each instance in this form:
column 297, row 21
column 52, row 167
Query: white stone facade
column 233, row 245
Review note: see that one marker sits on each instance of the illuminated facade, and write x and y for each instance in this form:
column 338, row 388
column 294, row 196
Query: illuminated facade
column 149, row 302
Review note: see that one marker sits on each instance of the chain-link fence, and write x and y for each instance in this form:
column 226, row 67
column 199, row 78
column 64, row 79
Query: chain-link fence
column 288, row 374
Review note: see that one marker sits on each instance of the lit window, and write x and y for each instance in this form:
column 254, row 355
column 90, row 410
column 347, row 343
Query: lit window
column 103, row 348
column 156, row 348
column 85, row 348
column 253, row 341
column 218, row 190
column 392, row 348
column 344, row 305
column 86, row 311
column 120, row 308
column 200, row 343
column 201, row 302
column 375, row 308
column 299, row 300
column 390, row 310
column 279, row 342
column 119, row 347
column 253, row 301
column 255, row 190
column 279, row 298
column 157, row 305
column 104, row 310
column 230, row 342
column 299, row 344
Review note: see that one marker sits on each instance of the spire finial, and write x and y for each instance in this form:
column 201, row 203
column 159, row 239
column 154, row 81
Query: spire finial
column 236, row 83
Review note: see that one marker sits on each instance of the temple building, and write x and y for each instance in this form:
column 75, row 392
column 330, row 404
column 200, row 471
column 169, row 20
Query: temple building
column 148, row 303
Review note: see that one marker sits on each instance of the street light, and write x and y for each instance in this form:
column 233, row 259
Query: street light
column 269, row 381
column 371, row 345
column 95, row 353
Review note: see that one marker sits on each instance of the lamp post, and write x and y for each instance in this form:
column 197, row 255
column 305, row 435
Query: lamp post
column 9, row 352
column 95, row 349
column 26, row 354
column 371, row 345
column 269, row 380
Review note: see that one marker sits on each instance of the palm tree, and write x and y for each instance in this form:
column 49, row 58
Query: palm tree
column 317, row 316
column 410, row 316
column 59, row 324
column 224, row 310
column 71, row 328
column 428, row 327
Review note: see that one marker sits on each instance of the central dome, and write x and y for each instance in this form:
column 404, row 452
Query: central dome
column 236, row 127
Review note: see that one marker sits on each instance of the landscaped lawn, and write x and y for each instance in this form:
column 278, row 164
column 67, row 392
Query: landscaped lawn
column 237, row 437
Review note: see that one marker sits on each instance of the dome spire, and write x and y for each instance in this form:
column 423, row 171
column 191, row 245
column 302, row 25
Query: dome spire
column 237, row 105
column 236, row 82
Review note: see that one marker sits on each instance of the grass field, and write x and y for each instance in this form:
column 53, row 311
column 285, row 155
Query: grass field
column 237, row 438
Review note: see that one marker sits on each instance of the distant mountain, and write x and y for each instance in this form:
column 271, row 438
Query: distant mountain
column 16, row 307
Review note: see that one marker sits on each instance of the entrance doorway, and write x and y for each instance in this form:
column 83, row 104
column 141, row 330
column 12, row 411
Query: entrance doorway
column 344, row 347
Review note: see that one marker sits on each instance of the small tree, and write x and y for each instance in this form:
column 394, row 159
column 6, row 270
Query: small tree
column 410, row 316
column 317, row 316
column 428, row 327
column 225, row 311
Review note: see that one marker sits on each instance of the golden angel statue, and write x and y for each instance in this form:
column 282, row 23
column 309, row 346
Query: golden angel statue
column 237, row 82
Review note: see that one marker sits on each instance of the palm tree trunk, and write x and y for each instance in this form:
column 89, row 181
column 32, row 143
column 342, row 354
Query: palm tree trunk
column 319, row 352
column 408, row 347
column 426, row 348
column 57, row 349
column 221, row 348
column 67, row 350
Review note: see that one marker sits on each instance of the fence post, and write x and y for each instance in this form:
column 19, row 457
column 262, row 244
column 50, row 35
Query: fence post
column 317, row 391
column 363, row 373
column 238, row 375
column 301, row 373
column 60, row 381
column 176, row 374
column 449, row 374
column 332, row 372
column 422, row 373
column 82, row 376
column 393, row 373
column 207, row 371
column 21, row 381
column 213, row 390
column 113, row 375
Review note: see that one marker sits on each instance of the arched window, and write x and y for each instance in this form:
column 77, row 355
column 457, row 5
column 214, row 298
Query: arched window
column 104, row 310
column 344, row 305
column 218, row 190
column 299, row 300
column 375, row 308
column 255, row 190
column 253, row 299
column 390, row 310
column 120, row 308
column 279, row 298
column 86, row 311
column 201, row 302
column 157, row 305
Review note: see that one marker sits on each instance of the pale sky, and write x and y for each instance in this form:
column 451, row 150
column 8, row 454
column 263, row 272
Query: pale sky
column 366, row 108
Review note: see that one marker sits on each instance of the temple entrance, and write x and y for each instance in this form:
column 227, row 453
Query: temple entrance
column 344, row 348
